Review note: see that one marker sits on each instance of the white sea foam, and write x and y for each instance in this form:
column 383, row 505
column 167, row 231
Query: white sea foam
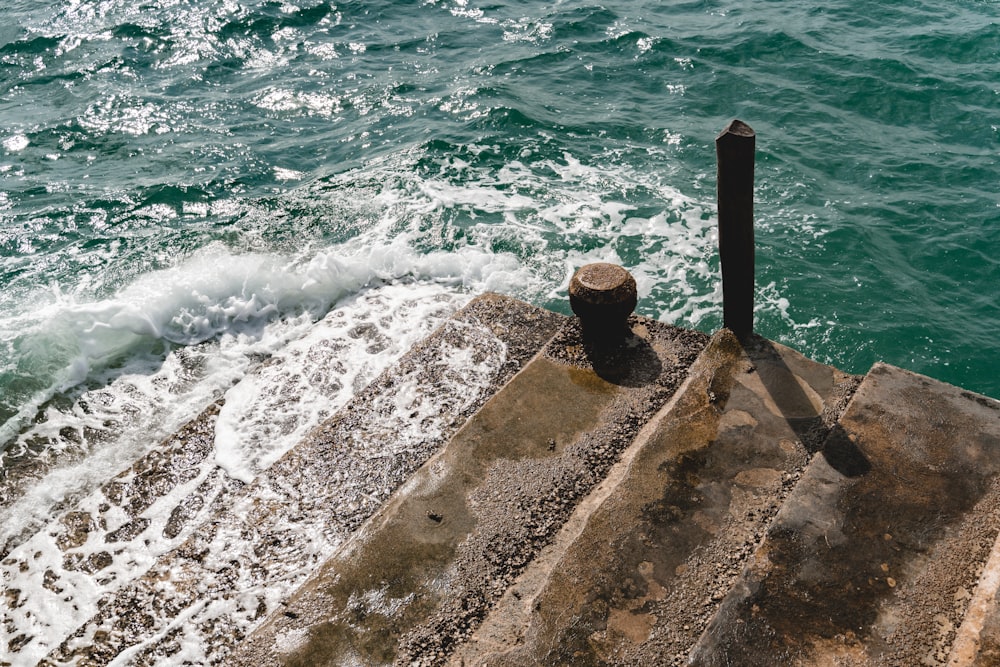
column 271, row 410
column 671, row 251
column 265, row 413
column 400, row 217
column 217, row 292
column 114, row 423
column 15, row 143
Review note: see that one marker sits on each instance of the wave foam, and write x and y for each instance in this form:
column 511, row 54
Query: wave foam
column 271, row 410
column 214, row 293
column 163, row 346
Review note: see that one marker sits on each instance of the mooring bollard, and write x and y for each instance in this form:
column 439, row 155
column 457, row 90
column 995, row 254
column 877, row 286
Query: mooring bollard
column 734, row 150
column 603, row 296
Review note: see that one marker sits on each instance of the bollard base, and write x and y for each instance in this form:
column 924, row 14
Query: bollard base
column 603, row 296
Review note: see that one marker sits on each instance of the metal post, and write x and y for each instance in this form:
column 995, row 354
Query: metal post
column 734, row 149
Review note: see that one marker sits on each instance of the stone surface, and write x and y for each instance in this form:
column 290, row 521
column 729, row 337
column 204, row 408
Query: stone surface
column 637, row 572
column 80, row 552
column 513, row 492
column 873, row 558
column 977, row 642
column 430, row 566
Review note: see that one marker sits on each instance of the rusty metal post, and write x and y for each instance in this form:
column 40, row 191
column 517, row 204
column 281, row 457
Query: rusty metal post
column 734, row 150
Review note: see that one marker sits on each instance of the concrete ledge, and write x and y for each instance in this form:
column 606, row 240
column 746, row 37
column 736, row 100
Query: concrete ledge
column 514, row 493
column 258, row 542
column 874, row 557
column 639, row 569
column 425, row 572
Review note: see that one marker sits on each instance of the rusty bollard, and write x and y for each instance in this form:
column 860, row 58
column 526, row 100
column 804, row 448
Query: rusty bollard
column 603, row 296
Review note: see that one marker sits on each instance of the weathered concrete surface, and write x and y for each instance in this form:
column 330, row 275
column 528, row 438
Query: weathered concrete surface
column 977, row 641
column 637, row 572
column 173, row 463
column 60, row 558
column 260, row 541
column 430, row 566
column 621, row 505
column 874, row 557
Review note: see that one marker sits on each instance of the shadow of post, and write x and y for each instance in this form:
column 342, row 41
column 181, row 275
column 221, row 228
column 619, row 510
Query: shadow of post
column 818, row 432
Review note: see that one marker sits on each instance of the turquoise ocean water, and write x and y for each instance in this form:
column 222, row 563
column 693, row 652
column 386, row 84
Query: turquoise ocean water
column 193, row 180
column 268, row 202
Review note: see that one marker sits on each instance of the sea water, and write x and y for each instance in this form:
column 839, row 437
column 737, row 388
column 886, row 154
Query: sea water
column 191, row 188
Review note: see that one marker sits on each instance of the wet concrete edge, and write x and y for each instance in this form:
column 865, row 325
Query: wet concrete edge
column 143, row 607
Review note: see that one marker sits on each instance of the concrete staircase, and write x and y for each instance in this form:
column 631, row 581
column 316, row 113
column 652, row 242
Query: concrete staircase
column 676, row 499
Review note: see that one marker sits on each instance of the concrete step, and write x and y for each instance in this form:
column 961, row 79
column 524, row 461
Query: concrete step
column 431, row 565
column 511, row 494
column 245, row 546
column 876, row 555
column 53, row 579
column 73, row 538
column 746, row 523
column 639, row 570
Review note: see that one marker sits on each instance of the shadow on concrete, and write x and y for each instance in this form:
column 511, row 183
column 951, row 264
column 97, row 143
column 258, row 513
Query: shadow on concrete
column 843, row 455
column 813, row 432
column 628, row 362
